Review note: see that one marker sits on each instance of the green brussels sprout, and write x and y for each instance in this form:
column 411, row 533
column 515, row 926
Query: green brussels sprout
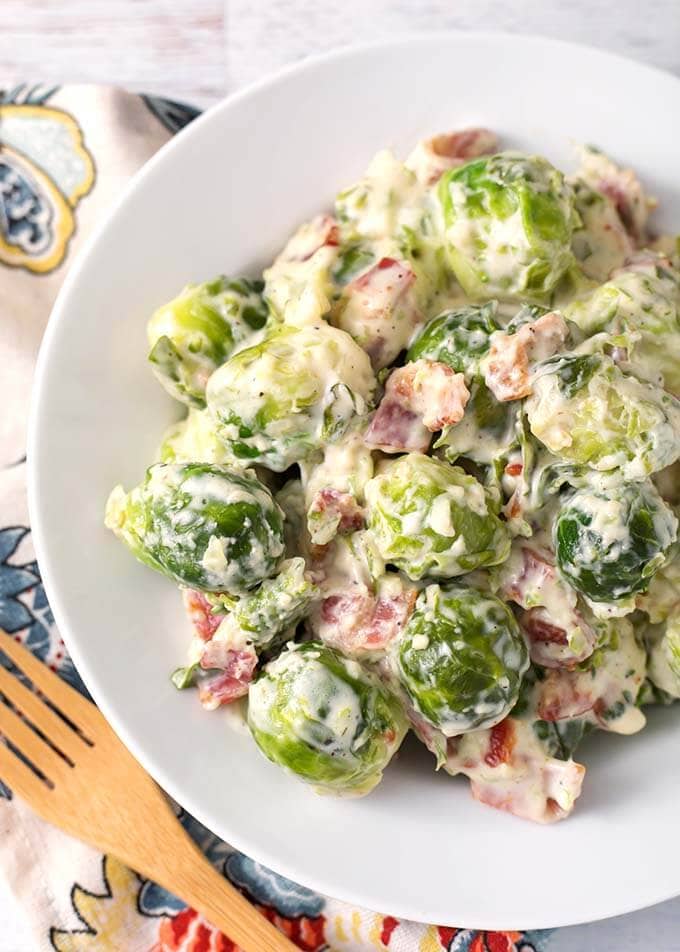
column 461, row 659
column 193, row 440
column 609, row 544
column 508, row 221
column 487, row 431
column 278, row 604
column 192, row 335
column 587, row 411
column 325, row 718
column 429, row 518
column 202, row 525
column 458, row 338
column 663, row 593
column 664, row 654
column 282, row 400
column 601, row 243
column 258, row 618
column 638, row 309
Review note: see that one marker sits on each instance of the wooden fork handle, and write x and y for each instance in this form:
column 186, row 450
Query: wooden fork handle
column 194, row 879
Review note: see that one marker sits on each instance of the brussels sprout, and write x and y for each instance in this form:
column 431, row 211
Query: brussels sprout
column 638, row 309
column 200, row 524
column 585, row 410
column 608, row 545
column 432, row 519
column 325, row 719
column 458, row 338
column 601, row 243
column 197, row 331
column 282, row 400
column 663, row 593
column 381, row 202
column 664, row 654
column 508, row 221
column 461, row 658
column 487, row 431
column 276, row 606
column 193, row 440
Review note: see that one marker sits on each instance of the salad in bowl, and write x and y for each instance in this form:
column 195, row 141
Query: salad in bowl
column 427, row 479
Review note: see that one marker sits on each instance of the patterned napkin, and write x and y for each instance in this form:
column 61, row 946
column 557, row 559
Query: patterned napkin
column 65, row 154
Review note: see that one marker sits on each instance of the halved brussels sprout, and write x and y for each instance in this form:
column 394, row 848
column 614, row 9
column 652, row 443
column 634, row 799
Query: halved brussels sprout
column 609, row 544
column 200, row 524
column 638, row 309
column 664, row 654
column 429, row 518
column 196, row 332
column 458, row 338
column 584, row 409
column 461, row 658
column 325, row 718
column 508, row 222
column 280, row 401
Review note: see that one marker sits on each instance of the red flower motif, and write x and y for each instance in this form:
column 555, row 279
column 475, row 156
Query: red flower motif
column 188, row 931
column 483, row 941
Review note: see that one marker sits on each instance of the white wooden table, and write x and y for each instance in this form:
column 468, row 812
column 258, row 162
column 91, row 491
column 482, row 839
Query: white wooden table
column 198, row 50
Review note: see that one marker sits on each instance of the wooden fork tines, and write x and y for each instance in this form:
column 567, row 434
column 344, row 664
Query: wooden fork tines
column 61, row 756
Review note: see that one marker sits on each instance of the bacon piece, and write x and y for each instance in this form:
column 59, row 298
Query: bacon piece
column 236, row 667
column 432, row 157
column 320, row 232
column 564, row 694
column 363, row 622
column 559, row 783
column 420, row 398
column 530, row 580
column 339, row 509
column 502, row 741
column 432, row 390
column 623, row 188
column 221, row 689
column 509, row 769
column 396, row 429
column 507, row 369
column 200, row 613
column 378, row 311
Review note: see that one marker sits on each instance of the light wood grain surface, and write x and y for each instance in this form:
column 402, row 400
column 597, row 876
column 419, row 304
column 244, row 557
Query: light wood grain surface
column 171, row 47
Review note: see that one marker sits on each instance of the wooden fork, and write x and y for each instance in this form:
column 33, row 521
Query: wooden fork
column 87, row 783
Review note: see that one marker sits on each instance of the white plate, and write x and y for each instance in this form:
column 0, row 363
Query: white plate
column 223, row 196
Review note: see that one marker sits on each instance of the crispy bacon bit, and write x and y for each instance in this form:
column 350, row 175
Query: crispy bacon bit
column 339, row 508
column 432, row 157
column 378, row 310
column 539, row 629
column 420, row 398
column 320, row 232
column 562, row 696
column 561, row 779
column 507, row 369
column 222, row 689
column 361, row 621
column 530, row 576
column 510, row 769
column 514, row 469
column 396, row 429
column 200, row 614
column 502, row 741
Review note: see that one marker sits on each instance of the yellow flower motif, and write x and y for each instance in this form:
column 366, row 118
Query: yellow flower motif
column 45, row 170
column 109, row 919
